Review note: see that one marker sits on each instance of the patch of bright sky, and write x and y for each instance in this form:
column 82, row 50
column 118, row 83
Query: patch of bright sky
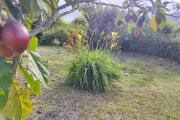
column 70, row 17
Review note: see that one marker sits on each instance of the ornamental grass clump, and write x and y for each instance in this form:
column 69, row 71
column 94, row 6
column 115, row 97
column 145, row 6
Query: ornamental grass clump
column 93, row 70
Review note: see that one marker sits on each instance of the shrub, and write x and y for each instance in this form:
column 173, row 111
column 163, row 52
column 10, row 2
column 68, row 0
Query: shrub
column 59, row 33
column 75, row 38
column 93, row 71
column 56, row 35
column 152, row 45
column 80, row 21
column 49, row 37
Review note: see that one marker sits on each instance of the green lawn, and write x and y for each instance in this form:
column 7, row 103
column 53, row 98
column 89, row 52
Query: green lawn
column 150, row 90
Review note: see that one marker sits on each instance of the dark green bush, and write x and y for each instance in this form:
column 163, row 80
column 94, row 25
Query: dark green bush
column 157, row 45
column 58, row 33
column 53, row 37
column 93, row 71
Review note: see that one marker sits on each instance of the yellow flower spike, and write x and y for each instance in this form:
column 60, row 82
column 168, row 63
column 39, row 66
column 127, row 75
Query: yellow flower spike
column 79, row 37
column 114, row 35
column 154, row 24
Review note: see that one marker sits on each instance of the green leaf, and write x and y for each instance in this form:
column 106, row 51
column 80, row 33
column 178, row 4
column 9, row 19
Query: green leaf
column 19, row 104
column 28, row 23
column 27, row 6
column 55, row 3
column 162, row 14
column 14, row 11
column 30, row 7
column 44, row 6
column 34, row 84
column 2, row 92
column 33, row 44
column 130, row 27
column 73, row 3
column 158, row 3
column 5, row 81
column 37, row 68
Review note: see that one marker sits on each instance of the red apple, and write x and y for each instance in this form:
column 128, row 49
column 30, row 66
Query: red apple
column 15, row 36
column 5, row 52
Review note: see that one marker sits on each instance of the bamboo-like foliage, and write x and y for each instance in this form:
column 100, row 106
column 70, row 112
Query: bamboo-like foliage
column 93, row 71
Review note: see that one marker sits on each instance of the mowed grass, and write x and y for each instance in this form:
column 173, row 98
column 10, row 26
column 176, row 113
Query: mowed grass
column 149, row 90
